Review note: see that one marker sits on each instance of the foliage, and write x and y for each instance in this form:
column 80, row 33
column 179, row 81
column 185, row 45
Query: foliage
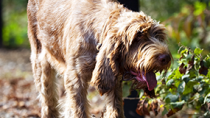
column 15, row 23
column 187, row 85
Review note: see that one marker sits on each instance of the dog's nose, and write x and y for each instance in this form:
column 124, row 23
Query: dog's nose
column 164, row 59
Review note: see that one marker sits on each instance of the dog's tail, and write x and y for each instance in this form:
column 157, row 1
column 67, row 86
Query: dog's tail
column 32, row 9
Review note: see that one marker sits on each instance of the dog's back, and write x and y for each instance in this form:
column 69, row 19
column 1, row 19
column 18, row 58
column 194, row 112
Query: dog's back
column 47, row 24
column 46, row 20
column 32, row 25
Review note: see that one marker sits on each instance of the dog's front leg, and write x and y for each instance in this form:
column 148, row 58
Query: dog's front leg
column 114, row 103
column 76, row 105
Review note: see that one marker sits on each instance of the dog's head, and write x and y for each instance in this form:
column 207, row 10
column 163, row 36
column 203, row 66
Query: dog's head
column 134, row 44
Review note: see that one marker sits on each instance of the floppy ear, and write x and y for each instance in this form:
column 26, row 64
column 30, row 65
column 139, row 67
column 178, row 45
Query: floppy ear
column 107, row 65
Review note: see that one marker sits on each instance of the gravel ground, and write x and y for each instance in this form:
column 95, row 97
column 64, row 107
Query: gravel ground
column 15, row 64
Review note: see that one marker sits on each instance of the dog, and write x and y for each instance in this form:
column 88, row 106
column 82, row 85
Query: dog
column 92, row 42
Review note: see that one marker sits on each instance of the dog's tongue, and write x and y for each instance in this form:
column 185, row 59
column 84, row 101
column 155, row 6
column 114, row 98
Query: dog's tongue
column 150, row 80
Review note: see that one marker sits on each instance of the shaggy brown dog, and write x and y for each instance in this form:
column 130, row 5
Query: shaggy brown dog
column 92, row 41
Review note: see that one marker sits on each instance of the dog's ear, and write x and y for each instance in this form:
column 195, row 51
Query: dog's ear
column 107, row 65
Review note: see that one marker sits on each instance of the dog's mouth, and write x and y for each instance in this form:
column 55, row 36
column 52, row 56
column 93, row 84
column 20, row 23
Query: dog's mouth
column 145, row 79
column 142, row 80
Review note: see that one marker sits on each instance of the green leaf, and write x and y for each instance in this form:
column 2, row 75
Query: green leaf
column 167, row 100
column 177, row 74
column 205, row 90
column 199, row 78
column 186, row 78
column 177, row 83
column 165, row 111
column 207, row 98
column 141, row 93
column 184, row 51
column 201, row 99
column 189, row 87
column 207, row 61
column 199, row 8
column 185, row 97
column 198, row 51
column 192, row 73
column 169, row 82
column 197, row 88
column 181, row 87
column 171, row 76
column 208, row 74
column 171, row 97
column 178, row 104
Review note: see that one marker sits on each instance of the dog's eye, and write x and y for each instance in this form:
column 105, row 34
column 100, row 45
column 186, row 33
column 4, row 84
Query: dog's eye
column 159, row 35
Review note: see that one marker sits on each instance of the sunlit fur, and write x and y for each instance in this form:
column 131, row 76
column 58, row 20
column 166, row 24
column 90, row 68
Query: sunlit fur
column 64, row 36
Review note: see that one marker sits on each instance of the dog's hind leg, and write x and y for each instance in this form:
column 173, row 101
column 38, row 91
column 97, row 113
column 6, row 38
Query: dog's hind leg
column 44, row 77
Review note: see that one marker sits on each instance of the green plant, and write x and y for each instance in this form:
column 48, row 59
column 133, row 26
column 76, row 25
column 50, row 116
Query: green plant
column 187, row 86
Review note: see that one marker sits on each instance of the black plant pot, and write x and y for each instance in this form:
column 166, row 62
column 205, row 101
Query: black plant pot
column 130, row 105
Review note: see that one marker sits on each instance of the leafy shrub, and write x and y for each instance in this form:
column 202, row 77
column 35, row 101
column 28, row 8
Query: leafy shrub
column 187, row 85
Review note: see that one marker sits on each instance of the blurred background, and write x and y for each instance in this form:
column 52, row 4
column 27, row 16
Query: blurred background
column 187, row 22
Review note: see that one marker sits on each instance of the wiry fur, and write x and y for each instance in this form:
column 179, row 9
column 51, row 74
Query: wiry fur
column 64, row 35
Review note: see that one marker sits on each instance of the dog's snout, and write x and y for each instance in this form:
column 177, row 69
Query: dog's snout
column 164, row 59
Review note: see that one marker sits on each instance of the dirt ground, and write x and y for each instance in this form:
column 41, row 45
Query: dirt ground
column 17, row 91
